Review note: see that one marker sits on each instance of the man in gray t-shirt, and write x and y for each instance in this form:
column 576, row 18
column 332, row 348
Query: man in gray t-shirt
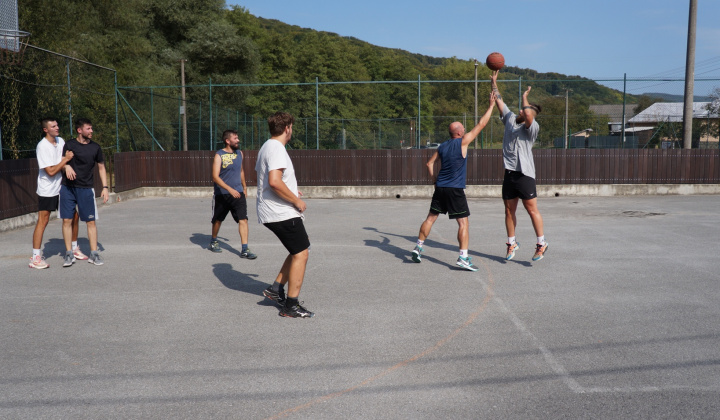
column 521, row 131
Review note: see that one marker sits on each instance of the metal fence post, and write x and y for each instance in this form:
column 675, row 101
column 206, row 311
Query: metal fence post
column 152, row 116
column 211, row 114
column 418, row 117
column 67, row 69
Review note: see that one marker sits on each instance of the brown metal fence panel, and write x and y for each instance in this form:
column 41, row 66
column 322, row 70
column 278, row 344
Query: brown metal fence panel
column 18, row 183
column 18, row 178
column 407, row 167
column 18, row 186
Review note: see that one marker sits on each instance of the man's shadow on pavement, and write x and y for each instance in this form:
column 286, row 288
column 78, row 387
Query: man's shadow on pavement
column 203, row 241
column 242, row 282
column 404, row 254
column 56, row 246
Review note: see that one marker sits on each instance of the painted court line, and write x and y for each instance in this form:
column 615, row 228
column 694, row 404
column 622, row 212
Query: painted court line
column 489, row 293
column 556, row 366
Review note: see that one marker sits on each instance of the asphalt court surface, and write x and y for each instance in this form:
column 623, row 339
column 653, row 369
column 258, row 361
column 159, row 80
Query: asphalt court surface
column 621, row 319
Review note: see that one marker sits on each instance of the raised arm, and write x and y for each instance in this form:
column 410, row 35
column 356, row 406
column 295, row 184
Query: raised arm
column 529, row 116
column 472, row 134
column 498, row 101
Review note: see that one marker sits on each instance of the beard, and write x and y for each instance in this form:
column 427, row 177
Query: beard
column 234, row 146
column 520, row 119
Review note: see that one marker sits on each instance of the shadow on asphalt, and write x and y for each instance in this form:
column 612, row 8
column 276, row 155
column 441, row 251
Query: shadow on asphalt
column 242, row 282
column 203, row 241
column 56, row 246
column 404, row 254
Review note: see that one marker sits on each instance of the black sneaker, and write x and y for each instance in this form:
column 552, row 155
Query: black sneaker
column 296, row 311
column 215, row 246
column 278, row 297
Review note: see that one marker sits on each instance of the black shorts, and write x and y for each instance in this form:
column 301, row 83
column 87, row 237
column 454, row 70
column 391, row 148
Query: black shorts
column 292, row 234
column 224, row 203
column 48, row 203
column 451, row 201
column 517, row 185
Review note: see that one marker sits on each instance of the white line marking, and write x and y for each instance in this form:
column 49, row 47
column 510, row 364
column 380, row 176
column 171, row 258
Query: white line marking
column 556, row 366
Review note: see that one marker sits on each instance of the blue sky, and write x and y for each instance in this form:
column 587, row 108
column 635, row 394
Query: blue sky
column 593, row 39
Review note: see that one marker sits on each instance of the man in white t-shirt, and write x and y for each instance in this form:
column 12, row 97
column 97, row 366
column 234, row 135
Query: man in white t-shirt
column 280, row 209
column 51, row 162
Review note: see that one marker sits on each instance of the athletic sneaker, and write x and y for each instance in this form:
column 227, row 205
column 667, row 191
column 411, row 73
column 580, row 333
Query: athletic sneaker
column 466, row 263
column 417, row 254
column 215, row 246
column 296, row 311
column 69, row 260
column 248, row 254
column 78, row 254
column 96, row 259
column 38, row 262
column 540, row 251
column 278, row 297
column 511, row 250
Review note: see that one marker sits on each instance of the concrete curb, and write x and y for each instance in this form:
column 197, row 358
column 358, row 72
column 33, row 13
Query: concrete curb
column 399, row 191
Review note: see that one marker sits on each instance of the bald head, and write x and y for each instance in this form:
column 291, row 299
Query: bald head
column 456, row 130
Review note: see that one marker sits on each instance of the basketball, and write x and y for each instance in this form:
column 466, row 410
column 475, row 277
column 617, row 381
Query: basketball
column 495, row 61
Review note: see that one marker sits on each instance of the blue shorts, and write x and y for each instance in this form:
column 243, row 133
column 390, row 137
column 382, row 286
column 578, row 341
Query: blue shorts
column 83, row 198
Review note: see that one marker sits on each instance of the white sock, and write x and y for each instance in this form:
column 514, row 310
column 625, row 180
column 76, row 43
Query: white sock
column 464, row 253
column 420, row 243
column 541, row 240
column 74, row 245
column 36, row 252
column 511, row 240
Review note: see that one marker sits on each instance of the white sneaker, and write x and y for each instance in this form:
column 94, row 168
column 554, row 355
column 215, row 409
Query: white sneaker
column 38, row 262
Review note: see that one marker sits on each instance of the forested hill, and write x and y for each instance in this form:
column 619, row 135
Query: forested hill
column 144, row 39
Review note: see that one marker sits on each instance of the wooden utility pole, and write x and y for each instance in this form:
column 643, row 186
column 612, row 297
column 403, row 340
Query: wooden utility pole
column 689, row 77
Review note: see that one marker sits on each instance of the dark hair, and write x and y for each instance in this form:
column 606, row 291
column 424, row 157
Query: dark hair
column 537, row 108
column 227, row 134
column 45, row 121
column 80, row 122
column 278, row 121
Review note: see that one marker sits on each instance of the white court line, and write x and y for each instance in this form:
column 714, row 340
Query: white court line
column 571, row 383
column 556, row 366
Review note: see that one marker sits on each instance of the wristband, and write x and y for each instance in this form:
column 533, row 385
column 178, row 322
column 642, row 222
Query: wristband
column 105, row 187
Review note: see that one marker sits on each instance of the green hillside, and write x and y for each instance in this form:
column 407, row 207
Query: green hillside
column 144, row 40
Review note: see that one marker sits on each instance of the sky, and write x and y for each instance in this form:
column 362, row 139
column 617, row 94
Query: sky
column 601, row 39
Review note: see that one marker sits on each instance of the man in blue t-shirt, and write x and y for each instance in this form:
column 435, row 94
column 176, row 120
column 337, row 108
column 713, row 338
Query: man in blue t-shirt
column 229, row 195
column 449, row 196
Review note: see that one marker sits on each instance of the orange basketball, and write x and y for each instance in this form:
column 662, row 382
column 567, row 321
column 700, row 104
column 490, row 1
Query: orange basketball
column 495, row 61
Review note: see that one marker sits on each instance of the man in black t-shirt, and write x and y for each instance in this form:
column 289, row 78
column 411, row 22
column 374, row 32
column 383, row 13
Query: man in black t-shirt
column 77, row 189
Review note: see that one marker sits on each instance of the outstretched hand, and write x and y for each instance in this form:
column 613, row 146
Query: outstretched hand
column 527, row 91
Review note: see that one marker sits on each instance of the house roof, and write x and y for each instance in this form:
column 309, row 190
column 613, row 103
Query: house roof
column 614, row 111
column 671, row 112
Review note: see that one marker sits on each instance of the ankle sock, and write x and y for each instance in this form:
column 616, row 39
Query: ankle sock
column 290, row 302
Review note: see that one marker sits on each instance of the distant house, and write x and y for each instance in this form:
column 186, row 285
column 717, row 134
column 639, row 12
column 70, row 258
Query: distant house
column 661, row 113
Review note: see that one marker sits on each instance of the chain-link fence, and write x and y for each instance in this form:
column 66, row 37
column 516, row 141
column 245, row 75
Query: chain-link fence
column 48, row 84
column 577, row 113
